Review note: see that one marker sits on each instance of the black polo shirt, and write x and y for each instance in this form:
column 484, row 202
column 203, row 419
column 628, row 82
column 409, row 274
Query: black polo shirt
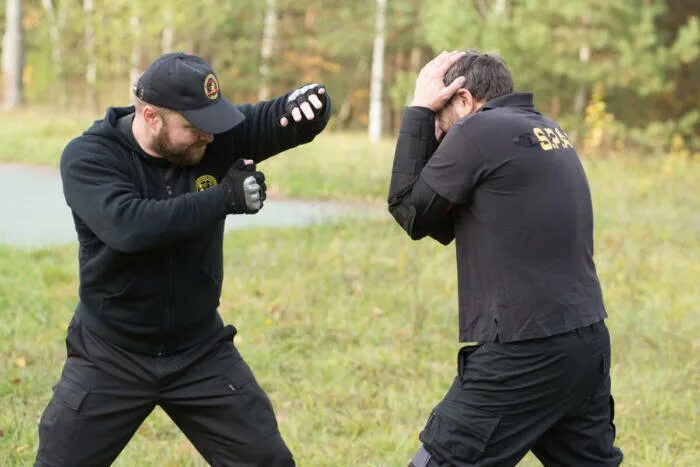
column 523, row 224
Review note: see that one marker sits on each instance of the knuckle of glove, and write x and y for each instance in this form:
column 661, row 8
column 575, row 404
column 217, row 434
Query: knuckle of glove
column 241, row 165
column 301, row 95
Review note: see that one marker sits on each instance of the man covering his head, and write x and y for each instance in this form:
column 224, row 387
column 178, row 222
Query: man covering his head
column 476, row 163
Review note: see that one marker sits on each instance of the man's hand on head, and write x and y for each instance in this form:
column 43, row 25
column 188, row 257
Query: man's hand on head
column 430, row 91
column 304, row 103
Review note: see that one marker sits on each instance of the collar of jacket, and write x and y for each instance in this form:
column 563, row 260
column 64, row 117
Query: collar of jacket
column 514, row 99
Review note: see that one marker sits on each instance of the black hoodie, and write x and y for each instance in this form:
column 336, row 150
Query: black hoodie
column 151, row 234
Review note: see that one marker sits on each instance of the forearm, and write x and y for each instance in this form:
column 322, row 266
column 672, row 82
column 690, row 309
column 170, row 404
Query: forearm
column 422, row 212
column 261, row 136
column 111, row 207
column 415, row 206
column 415, row 145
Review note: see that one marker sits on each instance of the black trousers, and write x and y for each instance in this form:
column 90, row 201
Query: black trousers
column 550, row 396
column 105, row 393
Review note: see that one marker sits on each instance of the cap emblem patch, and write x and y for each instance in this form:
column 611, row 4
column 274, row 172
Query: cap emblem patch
column 211, row 87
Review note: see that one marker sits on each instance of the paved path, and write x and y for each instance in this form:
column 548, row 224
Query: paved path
column 33, row 211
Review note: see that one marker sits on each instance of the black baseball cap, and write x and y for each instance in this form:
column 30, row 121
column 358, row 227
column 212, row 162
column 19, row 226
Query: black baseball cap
column 188, row 84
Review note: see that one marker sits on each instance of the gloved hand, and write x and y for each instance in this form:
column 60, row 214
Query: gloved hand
column 244, row 188
column 307, row 101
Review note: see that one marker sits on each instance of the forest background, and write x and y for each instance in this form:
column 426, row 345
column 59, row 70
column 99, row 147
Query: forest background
column 618, row 74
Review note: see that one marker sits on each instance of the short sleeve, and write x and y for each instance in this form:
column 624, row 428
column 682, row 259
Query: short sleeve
column 456, row 167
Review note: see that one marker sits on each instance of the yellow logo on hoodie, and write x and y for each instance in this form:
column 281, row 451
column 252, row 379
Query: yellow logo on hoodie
column 204, row 182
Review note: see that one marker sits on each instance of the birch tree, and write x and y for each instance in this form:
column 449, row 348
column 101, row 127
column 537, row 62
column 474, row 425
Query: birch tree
column 135, row 59
column 168, row 35
column 266, row 48
column 91, row 59
column 375, row 100
column 56, row 46
column 12, row 55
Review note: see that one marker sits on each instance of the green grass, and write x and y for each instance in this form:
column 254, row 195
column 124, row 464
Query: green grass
column 37, row 136
column 351, row 327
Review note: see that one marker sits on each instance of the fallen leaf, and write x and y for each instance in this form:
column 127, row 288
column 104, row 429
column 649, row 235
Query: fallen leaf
column 21, row 362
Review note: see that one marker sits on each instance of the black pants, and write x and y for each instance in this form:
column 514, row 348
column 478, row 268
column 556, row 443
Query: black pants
column 551, row 396
column 105, row 392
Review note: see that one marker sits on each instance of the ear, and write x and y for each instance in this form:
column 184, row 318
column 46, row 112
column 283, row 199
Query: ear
column 464, row 102
column 466, row 99
column 152, row 118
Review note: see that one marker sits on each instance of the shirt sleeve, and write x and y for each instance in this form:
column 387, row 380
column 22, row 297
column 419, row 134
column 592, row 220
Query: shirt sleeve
column 432, row 216
column 260, row 136
column 456, row 167
column 415, row 206
column 104, row 197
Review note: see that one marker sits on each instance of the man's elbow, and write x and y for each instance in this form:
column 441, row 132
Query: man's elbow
column 405, row 216
column 127, row 240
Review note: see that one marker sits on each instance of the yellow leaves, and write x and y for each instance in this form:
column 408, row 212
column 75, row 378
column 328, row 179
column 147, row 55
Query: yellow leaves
column 644, row 186
column 597, row 121
column 679, row 150
column 20, row 362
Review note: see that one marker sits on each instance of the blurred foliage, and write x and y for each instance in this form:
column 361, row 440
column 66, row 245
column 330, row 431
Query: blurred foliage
column 644, row 54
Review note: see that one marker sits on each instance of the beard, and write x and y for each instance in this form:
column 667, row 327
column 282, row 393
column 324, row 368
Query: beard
column 178, row 155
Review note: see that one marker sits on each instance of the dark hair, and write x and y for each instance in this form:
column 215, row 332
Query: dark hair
column 487, row 75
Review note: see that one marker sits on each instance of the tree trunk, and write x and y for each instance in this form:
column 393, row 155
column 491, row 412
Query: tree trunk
column 375, row 100
column 579, row 104
column 59, row 86
column 266, row 48
column 168, row 35
column 135, row 61
column 91, row 59
column 12, row 55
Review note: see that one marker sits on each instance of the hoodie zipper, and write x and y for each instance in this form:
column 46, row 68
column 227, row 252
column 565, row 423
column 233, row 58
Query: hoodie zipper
column 171, row 272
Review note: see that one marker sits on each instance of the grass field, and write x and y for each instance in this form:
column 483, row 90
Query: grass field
column 351, row 327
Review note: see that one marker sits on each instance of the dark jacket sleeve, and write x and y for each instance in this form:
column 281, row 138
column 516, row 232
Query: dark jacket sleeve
column 415, row 206
column 260, row 135
column 100, row 192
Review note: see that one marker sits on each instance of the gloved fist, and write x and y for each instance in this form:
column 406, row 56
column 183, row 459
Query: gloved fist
column 244, row 188
column 308, row 101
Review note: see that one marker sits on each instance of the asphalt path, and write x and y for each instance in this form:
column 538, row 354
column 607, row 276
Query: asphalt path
column 33, row 211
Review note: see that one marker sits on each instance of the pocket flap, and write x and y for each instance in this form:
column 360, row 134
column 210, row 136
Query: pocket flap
column 458, row 431
column 70, row 394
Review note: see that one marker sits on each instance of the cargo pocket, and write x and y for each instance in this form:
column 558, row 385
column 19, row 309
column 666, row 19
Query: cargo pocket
column 249, row 407
column 59, row 421
column 612, row 417
column 458, row 433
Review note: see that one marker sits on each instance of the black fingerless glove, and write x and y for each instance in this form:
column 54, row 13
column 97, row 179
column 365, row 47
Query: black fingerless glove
column 301, row 95
column 240, row 200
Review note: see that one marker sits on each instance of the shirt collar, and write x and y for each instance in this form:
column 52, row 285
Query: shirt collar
column 514, row 99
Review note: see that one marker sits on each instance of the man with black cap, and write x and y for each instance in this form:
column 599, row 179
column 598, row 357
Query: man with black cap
column 476, row 162
column 149, row 187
